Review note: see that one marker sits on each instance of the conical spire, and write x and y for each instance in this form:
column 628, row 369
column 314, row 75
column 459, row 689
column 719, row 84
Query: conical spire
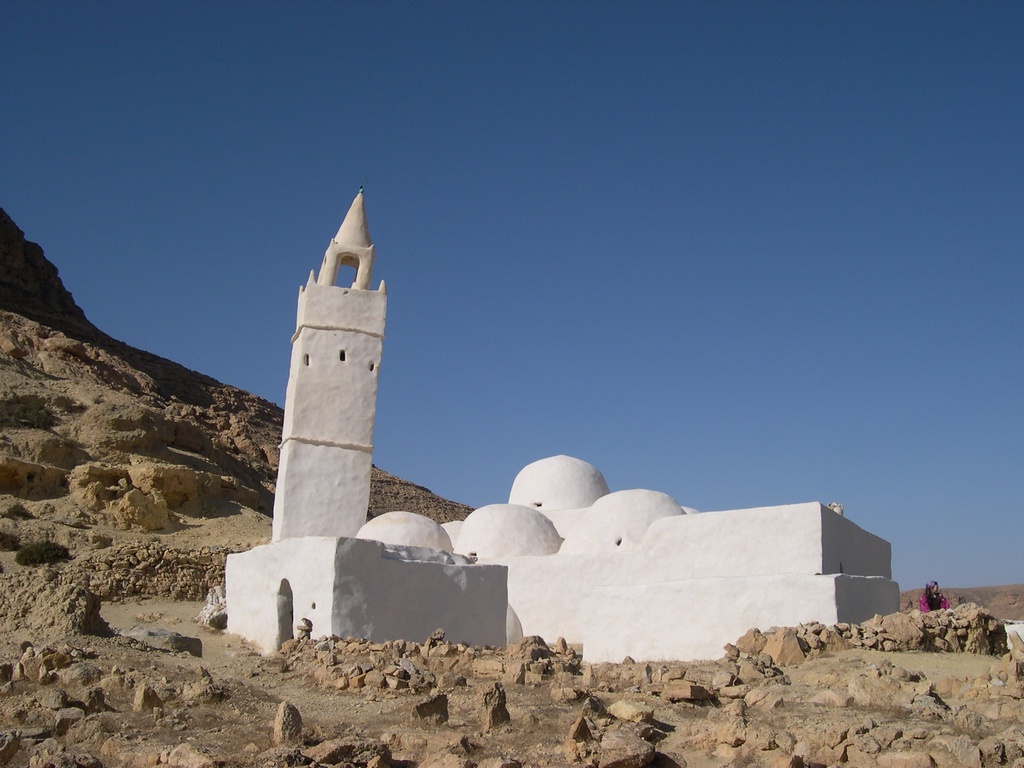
column 354, row 231
column 352, row 246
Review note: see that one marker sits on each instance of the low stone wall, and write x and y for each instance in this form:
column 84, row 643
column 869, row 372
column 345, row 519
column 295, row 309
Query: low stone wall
column 968, row 628
column 148, row 569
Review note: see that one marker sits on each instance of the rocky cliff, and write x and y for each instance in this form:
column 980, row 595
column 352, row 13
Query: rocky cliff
column 98, row 437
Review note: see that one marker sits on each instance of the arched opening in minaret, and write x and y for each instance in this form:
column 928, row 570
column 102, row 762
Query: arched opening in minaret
column 346, row 276
column 285, row 612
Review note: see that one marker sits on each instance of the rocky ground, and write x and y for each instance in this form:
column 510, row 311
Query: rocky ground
column 164, row 690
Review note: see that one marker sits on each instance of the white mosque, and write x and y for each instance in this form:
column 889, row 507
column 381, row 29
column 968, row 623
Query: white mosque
column 637, row 573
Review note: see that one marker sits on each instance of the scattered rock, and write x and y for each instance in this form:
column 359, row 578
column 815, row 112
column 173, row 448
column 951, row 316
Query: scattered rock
column 361, row 752
column 492, row 707
column 446, row 760
column 187, row 756
column 631, row 711
column 146, row 698
column 621, row 748
column 287, row 724
column 215, row 612
column 167, row 640
column 785, row 648
column 433, row 709
column 10, row 742
column 685, row 692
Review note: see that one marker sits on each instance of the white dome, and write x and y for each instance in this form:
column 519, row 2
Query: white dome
column 452, row 529
column 558, row 482
column 618, row 521
column 507, row 530
column 406, row 529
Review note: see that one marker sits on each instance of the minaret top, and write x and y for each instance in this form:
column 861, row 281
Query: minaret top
column 354, row 230
column 352, row 246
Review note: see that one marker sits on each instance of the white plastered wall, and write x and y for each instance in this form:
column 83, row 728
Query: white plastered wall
column 763, row 543
column 329, row 306
column 321, row 491
column 794, row 538
column 327, row 442
column 331, row 400
column 362, row 589
column 252, row 581
column 381, row 595
column 695, row 618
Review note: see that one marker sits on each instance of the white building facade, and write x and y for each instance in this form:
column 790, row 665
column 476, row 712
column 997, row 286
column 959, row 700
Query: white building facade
column 625, row 573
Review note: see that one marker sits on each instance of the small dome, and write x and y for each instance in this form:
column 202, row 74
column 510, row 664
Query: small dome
column 452, row 528
column 558, row 482
column 507, row 530
column 406, row 529
column 618, row 521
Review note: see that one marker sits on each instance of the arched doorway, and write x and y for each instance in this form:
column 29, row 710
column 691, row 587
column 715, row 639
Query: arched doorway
column 285, row 612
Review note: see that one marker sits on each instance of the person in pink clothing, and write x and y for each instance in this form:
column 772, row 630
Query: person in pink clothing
column 932, row 599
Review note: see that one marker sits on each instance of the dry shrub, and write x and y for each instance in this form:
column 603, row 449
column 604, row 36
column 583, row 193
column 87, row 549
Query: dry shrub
column 42, row 553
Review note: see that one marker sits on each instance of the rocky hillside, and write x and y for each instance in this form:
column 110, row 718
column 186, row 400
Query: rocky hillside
column 98, row 438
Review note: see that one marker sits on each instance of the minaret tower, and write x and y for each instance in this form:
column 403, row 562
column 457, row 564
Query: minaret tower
column 323, row 481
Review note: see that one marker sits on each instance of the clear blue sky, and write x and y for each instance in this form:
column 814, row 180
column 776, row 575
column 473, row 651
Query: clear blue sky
column 743, row 253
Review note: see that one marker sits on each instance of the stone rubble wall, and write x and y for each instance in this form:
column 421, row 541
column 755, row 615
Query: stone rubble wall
column 968, row 628
column 149, row 570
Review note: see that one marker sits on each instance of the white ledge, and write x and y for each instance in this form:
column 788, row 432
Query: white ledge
column 328, row 443
column 334, row 328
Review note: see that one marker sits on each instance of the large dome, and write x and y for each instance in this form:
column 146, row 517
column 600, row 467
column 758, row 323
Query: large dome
column 406, row 529
column 507, row 530
column 618, row 521
column 558, row 482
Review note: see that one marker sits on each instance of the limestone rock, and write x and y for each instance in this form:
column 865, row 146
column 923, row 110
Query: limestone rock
column 446, row 760
column 82, row 674
column 621, row 748
column 187, row 756
column 905, row 760
column 752, row 643
column 577, row 740
column 492, row 707
column 139, row 510
column 281, row 757
column 903, row 630
column 499, row 762
column 167, row 640
column 10, row 742
column 785, row 648
column 146, row 698
column 361, row 752
column 52, row 698
column 685, row 692
column 631, row 711
column 67, row 717
column 829, row 698
column 433, row 709
column 287, row 724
